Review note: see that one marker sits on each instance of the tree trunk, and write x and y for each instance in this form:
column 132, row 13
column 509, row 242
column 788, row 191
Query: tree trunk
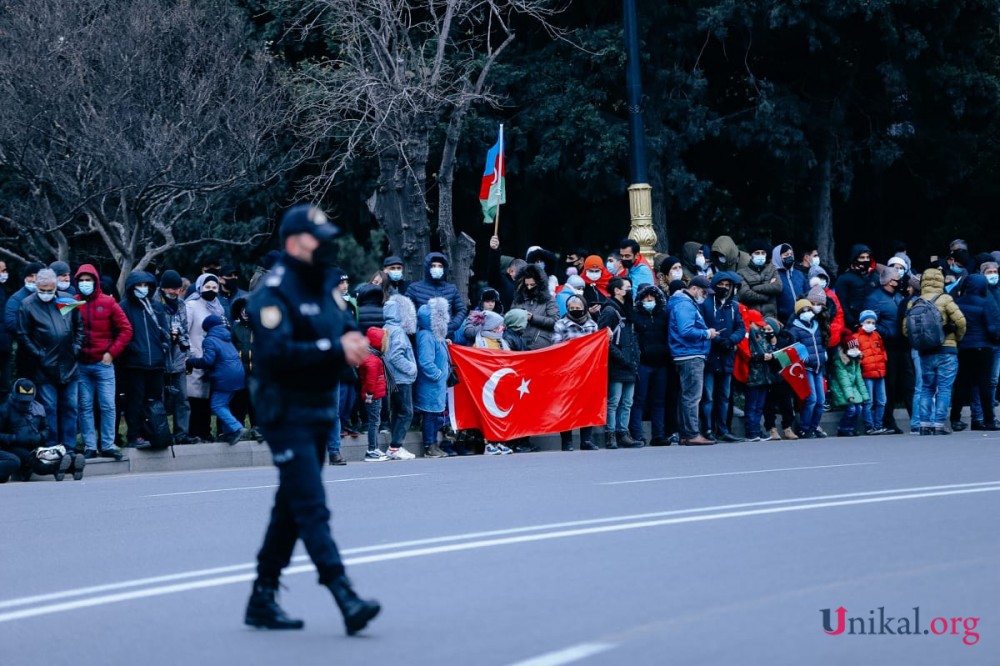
column 398, row 203
column 460, row 249
column 823, row 222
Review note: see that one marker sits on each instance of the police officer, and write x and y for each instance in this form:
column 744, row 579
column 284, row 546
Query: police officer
column 301, row 344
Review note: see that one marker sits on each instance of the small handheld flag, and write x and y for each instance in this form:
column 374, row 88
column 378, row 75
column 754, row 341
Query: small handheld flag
column 493, row 190
column 67, row 304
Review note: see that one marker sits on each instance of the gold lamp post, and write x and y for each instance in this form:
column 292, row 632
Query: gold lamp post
column 640, row 193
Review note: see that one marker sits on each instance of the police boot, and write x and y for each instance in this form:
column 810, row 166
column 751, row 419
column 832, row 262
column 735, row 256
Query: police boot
column 357, row 612
column 263, row 610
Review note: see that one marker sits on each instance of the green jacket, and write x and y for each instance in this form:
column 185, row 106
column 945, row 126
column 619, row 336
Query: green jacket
column 848, row 386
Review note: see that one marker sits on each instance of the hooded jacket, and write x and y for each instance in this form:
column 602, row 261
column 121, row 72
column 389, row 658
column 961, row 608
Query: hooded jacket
column 836, row 310
column 624, row 352
column 652, row 328
column 793, row 285
column 853, row 287
column 982, row 317
column 689, row 256
column 688, row 331
column 760, row 289
column 595, row 291
column 873, row 354
column 931, row 287
column 23, row 429
column 372, row 369
column 370, row 300
column 887, row 306
column 541, row 305
column 400, row 323
column 430, row 392
column 724, row 317
column 812, row 338
column 197, row 310
column 52, row 340
column 150, row 344
column 423, row 291
column 106, row 329
column 726, row 255
column 847, row 386
column 220, row 360
column 242, row 335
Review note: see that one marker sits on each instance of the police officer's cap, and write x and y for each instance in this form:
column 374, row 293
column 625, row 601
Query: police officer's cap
column 307, row 219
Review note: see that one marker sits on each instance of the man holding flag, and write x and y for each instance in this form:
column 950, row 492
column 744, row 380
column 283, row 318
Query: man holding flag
column 52, row 333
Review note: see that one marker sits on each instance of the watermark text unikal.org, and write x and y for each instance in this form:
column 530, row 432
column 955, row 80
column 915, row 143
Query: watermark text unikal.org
column 838, row 622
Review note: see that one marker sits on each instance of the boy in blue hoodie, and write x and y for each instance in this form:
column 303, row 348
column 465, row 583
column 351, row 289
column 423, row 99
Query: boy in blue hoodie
column 222, row 364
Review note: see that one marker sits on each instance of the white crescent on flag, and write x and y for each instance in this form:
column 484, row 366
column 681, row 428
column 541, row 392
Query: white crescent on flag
column 489, row 393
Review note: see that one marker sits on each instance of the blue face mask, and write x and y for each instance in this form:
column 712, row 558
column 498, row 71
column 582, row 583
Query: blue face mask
column 437, row 273
column 648, row 305
column 395, row 276
column 86, row 288
column 823, row 283
column 141, row 292
column 31, row 287
column 955, row 268
column 993, row 279
column 759, row 260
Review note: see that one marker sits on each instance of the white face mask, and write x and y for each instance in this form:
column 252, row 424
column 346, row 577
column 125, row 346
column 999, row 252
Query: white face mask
column 30, row 286
column 823, row 283
column 868, row 327
column 86, row 288
column 759, row 259
column 700, row 261
column 540, row 264
column 3, row 277
column 437, row 273
column 807, row 315
column 594, row 276
column 62, row 285
column 676, row 274
column 901, row 272
column 395, row 276
column 46, row 297
column 814, row 261
column 611, row 266
column 817, row 308
column 141, row 292
column 992, row 278
column 649, row 305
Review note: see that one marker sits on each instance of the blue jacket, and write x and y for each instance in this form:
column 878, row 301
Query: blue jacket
column 886, row 306
column 641, row 273
column 220, row 360
column 10, row 311
column 810, row 336
column 430, row 393
column 725, row 318
column 982, row 317
column 399, row 359
column 423, row 291
column 793, row 286
column 688, row 331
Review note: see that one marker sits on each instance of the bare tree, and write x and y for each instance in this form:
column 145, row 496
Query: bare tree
column 125, row 121
column 401, row 70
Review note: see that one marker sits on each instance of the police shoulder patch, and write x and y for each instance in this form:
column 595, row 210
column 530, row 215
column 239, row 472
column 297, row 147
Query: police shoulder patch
column 270, row 317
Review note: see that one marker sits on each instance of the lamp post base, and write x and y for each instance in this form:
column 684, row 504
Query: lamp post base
column 640, row 203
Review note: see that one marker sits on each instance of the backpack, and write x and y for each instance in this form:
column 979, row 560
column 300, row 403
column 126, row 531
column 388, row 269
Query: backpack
column 925, row 325
column 155, row 428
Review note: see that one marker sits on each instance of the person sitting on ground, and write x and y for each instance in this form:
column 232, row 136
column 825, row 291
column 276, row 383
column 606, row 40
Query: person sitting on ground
column 221, row 362
column 24, row 434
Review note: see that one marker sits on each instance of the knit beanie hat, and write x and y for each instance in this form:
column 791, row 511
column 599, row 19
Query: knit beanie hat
column 593, row 263
column 210, row 322
column 866, row 315
column 817, row 296
column 773, row 323
column 516, row 320
column 818, row 272
column 576, row 282
column 758, row 245
column 668, row 262
column 33, row 268
column 491, row 320
column 59, row 268
column 802, row 304
column 171, row 279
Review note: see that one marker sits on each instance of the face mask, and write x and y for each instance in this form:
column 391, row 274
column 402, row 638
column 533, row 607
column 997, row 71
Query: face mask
column 45, row 297
column 699, row 261
column 437, row 273
column 759, row 259
column 814, row 261
column 577, row 315
column 721, row 294
column 993, row 279
column 611, row 266
column 817, row 308
column 807, row 316
column 209, row 295
column 62, row 285
column 395, row 276
column 648, row 305
column 594, row 276
column 955, row 268
column 788, row 262
column 854, row 353
column 530, row 291
column 540, row 264
column 170, row 297
column 901, row 272
column 699, row 299
column 823, row 283
column 676, row 274
column 868, row 328
column 627, row 263
column 230, row 284
column 141, row 292
column 86, row 288
column 3, row 277
column 31, row 287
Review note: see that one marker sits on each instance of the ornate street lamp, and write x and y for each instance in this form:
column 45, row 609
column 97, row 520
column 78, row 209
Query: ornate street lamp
column 640, row 193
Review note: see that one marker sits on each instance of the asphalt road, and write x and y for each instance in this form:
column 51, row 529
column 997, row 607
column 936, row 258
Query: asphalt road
column 709, row 555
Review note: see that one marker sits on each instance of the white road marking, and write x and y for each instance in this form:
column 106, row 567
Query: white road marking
column 880, row 497
column 752, row 471
column 226, row 490
column 567, row 656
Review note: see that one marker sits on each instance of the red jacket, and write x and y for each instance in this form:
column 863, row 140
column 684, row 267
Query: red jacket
column 837, row 325
column 873, row 356
column 105, row 326
column 372, row 370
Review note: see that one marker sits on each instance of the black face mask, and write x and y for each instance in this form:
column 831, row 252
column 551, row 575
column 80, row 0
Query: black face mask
column 721, row 294
column 788, row 262
column 230, row 284
column 209, row 295
column 628, row 263
column 577, row 315
column 531, row 291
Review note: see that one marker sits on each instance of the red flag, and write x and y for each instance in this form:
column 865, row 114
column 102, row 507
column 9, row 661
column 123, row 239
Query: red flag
column 793, row 371
column 516, row 394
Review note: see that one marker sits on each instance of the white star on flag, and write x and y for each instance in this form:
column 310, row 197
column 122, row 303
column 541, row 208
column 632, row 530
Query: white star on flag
column 524, row 387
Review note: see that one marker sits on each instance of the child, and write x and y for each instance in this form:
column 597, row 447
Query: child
column 848, row 388
column 222, row 364
column 401, row 369
column 490, row 336
column 760, row 376
column 873, row 365
column 373, row 388
column 804, row 329
column 430, row 391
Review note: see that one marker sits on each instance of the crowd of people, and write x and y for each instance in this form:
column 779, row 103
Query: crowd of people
column 691, row 338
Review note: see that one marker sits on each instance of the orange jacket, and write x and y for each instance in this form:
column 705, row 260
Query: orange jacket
column 873, row 356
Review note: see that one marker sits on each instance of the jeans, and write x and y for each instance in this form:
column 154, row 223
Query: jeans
column 812, row 406
column 220, row 407
column 333, row 441
column 300, row 509
column 692, row 377
column 430, row 425
column 975, row 404
column 402, row 413
column 975, row 368
column 620, row 397
column 175, row 401
column 649, row 400
column 756, row 397
column 938, row 372
column 348, row 396
column 97, row 379
column 875, row 406
column 373, row 410
column 849, row 420
column 61, row 402
column 918, row 391
column 715, row 401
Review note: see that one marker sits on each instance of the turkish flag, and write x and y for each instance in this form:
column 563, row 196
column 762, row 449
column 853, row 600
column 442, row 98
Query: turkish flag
column 792, row 369
column 508, row 395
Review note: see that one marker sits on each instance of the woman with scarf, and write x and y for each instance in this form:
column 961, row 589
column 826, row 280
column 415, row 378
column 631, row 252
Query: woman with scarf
column 203, row 303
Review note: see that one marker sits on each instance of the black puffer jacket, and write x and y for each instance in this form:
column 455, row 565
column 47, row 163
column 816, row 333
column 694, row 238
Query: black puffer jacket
column 150, row 343
column 652, row 328
column 370, row 300
column 22, row 429
column 623, row 355
column 53, row 340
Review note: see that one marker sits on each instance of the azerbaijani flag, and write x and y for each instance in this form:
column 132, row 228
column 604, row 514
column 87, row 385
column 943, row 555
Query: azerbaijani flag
column 493, row 190
column 792, row 369
column 67, row 303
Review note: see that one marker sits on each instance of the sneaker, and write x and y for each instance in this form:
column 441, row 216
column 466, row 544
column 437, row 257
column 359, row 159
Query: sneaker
column 492, row 450
column 819, row 434
column 90, row 454
column 873, row 431
column 504, row 449
column 375, row 455
column 434, row 451
column 337, row 459
column 384, row 431
column 754, row 438
column 958, row 426
column 399, row 453
column 113, row 452
column 232, row 438
column 789, row 434
column 79, row 462
column 568, row 446
column 448, row 450
column 772, row 435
